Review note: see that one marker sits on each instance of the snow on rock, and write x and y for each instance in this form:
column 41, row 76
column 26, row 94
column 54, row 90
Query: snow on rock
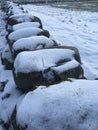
column 14, row 9
column 65, row 106
column 6, row 58
column 22, row 17
column 31, row 43
column 25, row 24
column 69, row 65
column 45, row 66
column 76, row 28
column 40, row 59
column 27, row 32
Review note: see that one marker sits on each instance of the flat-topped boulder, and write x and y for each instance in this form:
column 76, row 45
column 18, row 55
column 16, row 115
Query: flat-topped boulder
column 26, row 32
column 45, row 66
column 31, row 44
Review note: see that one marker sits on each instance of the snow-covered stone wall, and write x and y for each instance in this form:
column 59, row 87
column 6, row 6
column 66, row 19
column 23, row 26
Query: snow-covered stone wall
column 46, row 1
column 31, row 1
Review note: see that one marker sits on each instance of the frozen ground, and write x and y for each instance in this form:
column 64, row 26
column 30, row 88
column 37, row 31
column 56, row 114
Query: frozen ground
column 72, row 28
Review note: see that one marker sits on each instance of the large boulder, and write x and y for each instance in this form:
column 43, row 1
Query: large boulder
column 31, row 44
column 6, row 58
column 46, row 66
column 25, row 25
column 26, row 32
column 65, row 106
column 20, row 18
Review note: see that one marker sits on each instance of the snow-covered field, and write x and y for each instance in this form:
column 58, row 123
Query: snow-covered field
column 70, row 105
column 72, row 28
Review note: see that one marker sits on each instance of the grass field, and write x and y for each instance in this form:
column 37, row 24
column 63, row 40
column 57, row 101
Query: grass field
column 84, row 5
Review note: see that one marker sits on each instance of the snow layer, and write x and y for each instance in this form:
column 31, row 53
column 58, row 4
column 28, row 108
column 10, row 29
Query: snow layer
column 23, row 33
column 65, row 106
column 8, row 100
column 9, row 96
column 25, row 24
column 32, row 43
column 6, row 54
column 68, row 66
column 41, row 59
column 72, row 28
column 14, row 9
column 22, row 17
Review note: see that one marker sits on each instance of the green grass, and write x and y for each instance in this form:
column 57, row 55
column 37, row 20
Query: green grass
column 84, row 5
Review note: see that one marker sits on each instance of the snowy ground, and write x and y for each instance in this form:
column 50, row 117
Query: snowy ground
column 49, row 105
column 72, row 28
column 4, row 74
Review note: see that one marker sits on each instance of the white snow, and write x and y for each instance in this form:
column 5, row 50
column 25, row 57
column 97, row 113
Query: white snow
column 25, row 24
column 68, row 105
column 4, row 74
column 23, row 33
column 32, row 43
column 14, row 10
column 41, row 59
column 7, row 104
column 22, row 17
column 72, row 28
column 6, row 54
column 69, row 65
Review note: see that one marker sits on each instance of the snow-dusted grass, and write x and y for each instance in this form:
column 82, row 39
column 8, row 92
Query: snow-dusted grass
column 72, row 28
